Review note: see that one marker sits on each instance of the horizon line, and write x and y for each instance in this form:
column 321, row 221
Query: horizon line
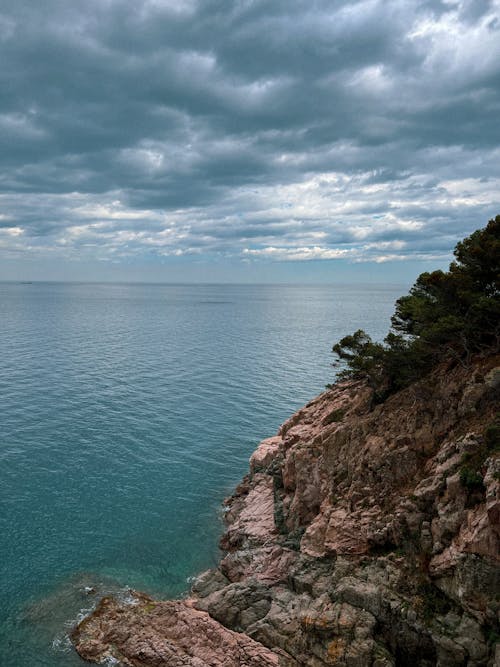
column 186, row 283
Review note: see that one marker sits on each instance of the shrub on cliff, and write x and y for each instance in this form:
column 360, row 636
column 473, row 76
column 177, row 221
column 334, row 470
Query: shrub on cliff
column 446, row 315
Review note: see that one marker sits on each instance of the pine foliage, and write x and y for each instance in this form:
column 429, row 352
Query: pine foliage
column 446, row 315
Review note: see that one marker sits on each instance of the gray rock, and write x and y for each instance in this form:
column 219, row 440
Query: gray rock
column 471, row 638
column 449, row 653
column 208, row 582
column 360, row 594
column 238, row 605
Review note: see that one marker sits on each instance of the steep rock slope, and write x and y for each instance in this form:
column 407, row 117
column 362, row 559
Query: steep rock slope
column 364, row 535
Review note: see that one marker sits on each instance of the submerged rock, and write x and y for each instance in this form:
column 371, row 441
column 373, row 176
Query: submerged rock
column 364, row 536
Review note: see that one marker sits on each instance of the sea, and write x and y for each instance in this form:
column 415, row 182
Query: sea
column 127, row 413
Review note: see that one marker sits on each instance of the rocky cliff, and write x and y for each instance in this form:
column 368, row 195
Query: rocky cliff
column 364, row 535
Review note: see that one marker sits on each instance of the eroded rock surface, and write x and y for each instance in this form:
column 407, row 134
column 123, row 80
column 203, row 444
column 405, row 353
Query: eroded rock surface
column 364, row 536
column 164, row 634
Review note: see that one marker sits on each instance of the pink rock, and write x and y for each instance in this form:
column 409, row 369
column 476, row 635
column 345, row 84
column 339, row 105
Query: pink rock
column 268, row 564
column 165, row 634
column 265, row 453
column 255, row 519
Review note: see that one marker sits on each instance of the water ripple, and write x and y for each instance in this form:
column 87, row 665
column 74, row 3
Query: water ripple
column 128, row 411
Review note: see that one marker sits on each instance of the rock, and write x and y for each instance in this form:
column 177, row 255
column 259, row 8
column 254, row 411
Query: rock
column 492, row 378
column 496, row 657
column 448, row 652
column 472, row 640
column 165, row 634
column 360, row 594
column 254, row 521
column 270, row 564
column 312, row 575
column 352, row 542
column 208, row 582
column 264, row 455
column 238, row 605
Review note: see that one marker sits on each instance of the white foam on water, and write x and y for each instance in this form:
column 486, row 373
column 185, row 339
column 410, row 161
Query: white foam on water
column 127, row 596
column 62, row 644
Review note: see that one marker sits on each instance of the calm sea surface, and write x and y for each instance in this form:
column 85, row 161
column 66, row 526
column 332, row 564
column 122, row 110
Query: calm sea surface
column 127, row 413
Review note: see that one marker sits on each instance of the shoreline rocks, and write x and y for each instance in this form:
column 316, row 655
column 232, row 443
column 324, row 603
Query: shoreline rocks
column 364, row 536
column 173, row 633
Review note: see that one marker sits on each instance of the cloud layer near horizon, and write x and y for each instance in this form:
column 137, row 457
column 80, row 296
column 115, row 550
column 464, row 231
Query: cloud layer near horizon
column 283, row 131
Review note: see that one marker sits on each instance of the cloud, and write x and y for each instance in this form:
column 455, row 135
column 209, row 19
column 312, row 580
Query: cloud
column 259, row 131
column 298, row 254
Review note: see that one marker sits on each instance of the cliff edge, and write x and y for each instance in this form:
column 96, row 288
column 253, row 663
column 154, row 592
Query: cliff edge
column 364, row 535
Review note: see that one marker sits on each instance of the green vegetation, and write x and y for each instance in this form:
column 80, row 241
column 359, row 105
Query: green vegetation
column 492, row 435
column 493, row 636
column 471, row 479
column 473, row 462
column 446, row 315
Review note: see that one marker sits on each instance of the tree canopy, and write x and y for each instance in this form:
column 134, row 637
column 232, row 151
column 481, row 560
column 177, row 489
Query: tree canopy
column 446, row 315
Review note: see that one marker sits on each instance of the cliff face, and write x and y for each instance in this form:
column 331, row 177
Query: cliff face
column 363, row 536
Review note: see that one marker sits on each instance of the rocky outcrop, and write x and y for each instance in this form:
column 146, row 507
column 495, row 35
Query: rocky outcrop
column 364, row 535
column 145, row 632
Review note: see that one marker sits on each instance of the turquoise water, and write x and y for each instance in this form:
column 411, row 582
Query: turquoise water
column 127, row 413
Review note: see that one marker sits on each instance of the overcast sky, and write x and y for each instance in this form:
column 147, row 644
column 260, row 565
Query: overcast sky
column 248, row 140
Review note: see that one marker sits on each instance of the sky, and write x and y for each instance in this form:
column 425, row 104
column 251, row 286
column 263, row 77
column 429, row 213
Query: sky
column 245, row 141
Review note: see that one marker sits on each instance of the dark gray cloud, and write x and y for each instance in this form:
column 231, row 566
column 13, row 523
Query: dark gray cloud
column 359, row 130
